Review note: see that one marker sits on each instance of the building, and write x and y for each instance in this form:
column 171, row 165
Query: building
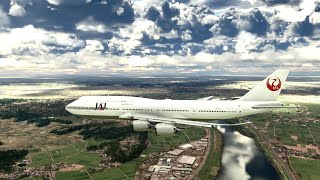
column 176, row 152
column 160, row 169
column 185, row 146
column 187, row 160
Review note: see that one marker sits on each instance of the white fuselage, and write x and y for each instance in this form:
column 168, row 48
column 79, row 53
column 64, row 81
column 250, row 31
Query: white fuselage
column 115, row 106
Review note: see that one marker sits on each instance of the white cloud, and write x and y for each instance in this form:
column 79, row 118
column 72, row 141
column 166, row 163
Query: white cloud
column 68, row 2
column 139, row 26
column 210, row 19
column 140, row 5
column 104, row 2
column 120, row 11
column 130, row 36
column 186, row 35
column 246, row 42
column 94, row 46
column 315, row 18
column 187, row 14
column 33, row 40
column 28, row 48
column 4, row 19
column 90, row 24
column 88, row 60
column 126, row 46
column 294, row 14
column 172, row 34
column 17, row 10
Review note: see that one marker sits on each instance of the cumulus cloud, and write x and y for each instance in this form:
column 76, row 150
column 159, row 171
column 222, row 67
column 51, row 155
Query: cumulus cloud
column 90, row 24
column 120, row 11
column 94, row 46
column 304, row 28
column 30, row 40
column 317, row 8
column 276, row 2
column 91, row 60
column 150, row 36
column 225, row 3
column 4, row 19
column 182, row 19
column 69, row 2
column 315, row 18
column 210, row 19
column 297, row 13
column 64, row 14
column 17, row 10
column 235, row 20
column 246, row 42
column 118, row 46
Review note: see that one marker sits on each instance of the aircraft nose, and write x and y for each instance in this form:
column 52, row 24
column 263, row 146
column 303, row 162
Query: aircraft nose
column 69, row 107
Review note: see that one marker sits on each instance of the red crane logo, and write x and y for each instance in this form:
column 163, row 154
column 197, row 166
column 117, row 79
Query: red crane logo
column 273, row 83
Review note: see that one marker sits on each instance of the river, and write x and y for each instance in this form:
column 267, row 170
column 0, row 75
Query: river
column 242, row 160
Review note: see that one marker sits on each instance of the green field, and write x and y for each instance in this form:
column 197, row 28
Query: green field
column 130, row 168
column 160, row 143
column 60, row 155
column 40, row 159
column 213, row 162
column 112, row 174
column 77, row 154
column 306, row 169
column 69, row 154
column 284, row 129
column 76, row 175
column 314, row 110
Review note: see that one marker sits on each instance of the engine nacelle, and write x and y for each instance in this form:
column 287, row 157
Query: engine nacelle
column 166, row 129
column 140, row 125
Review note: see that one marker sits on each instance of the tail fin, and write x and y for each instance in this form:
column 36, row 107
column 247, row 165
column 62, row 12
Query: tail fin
column 269, row 89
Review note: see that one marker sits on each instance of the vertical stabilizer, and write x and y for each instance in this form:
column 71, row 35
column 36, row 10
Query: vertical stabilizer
column 269, row 89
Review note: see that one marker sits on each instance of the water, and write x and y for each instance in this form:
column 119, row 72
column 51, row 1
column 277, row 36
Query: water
column 242, row 160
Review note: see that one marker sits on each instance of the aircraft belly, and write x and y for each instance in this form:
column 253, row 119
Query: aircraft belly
column 198, row 116
column 102, row 113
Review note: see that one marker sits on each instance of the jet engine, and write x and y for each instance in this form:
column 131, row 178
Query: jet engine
column 166, row 129
column 141, row 126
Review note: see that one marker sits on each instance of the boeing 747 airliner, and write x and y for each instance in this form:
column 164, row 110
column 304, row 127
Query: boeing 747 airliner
column 168, row 115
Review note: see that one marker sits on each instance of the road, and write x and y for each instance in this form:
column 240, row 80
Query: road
column 274, row 128
column 51, row 158
column 314, row 141
column 205, row 156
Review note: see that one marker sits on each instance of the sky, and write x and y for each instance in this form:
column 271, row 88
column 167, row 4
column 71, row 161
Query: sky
column 97, row 37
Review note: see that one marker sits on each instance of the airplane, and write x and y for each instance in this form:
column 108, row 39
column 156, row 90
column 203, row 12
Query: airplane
column 167, row 116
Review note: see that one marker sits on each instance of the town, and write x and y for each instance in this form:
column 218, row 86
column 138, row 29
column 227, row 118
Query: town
column 180, row 163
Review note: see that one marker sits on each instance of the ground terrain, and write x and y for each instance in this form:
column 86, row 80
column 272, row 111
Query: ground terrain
column 46, row 148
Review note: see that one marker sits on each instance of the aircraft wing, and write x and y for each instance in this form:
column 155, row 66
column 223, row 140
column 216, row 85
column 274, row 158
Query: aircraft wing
column 159, row 119
column 272, row 106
